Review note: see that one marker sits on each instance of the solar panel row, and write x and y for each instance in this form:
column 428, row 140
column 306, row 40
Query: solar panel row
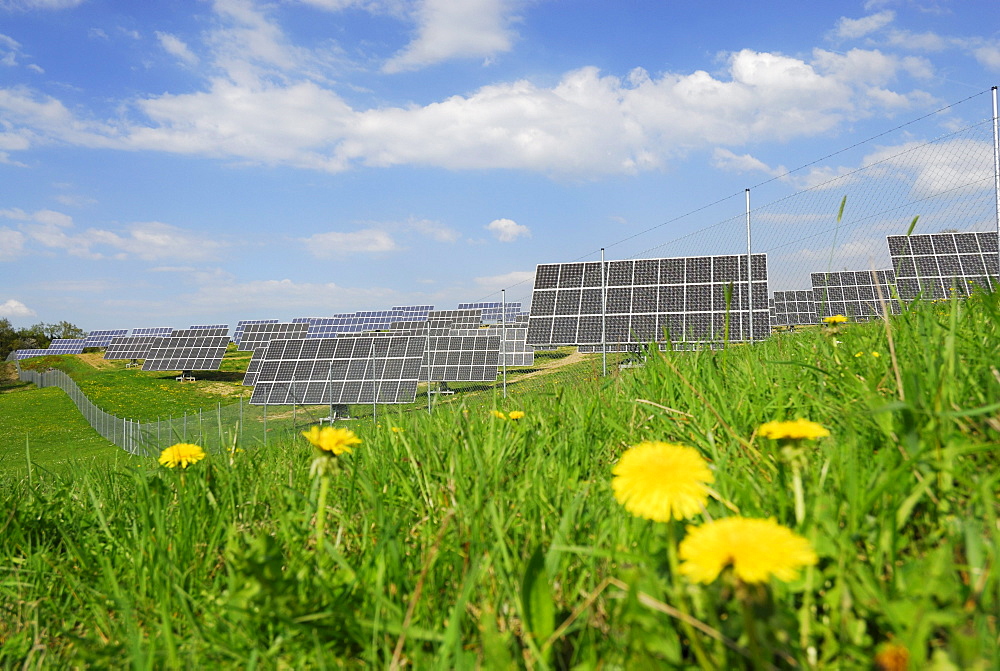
column 937, row 265
column 691, row 298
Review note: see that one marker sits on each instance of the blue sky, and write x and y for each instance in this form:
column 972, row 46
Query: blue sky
column 180, row 162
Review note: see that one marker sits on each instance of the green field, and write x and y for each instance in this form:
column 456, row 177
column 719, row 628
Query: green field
column 459, row 539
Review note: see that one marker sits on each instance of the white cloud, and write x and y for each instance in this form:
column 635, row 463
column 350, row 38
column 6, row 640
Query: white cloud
column 15, row 308
column 155, row 240
column 270, row 107
column 434, row 229
column 953, row 167
column 448, row 29
column 727, row 160
column 507, row 280
column 335, row 243
column 284, row 297
column 11, row 244
column 989, row 56
column 28, row 5
column 145, row 240
column 176, row 47
column 507, row 230
column 852, row 29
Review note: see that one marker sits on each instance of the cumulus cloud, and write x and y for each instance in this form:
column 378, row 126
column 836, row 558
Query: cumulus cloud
column 852, row 29
column 145, row 240
column 154, row 240
column 267, row 101
column 727, row 160
column 507, row 230
column 174, row 46
column 11, row 244
column 15, row 308
column 336, row 243
column 449, row 29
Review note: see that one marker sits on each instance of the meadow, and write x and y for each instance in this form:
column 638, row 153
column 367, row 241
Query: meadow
column 478, row 537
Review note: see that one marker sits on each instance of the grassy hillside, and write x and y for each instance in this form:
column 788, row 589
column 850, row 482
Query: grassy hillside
column 463, row 539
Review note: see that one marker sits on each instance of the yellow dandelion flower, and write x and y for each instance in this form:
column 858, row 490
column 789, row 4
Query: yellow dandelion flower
column 397, row 429
column 876, row 354
column 516, row 414
column 181, row 454
column 756, row 549
column 892, row 657
column 329, row 439
column 661, row 481
column 498, row 414
column 797, row 429
column 858, row 354
column 835, row 319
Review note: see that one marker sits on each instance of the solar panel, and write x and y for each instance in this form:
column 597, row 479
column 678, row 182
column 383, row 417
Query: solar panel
column 20, row 354
column 187, row 349
column 515, row 350
column 66, row 346
column 210, row 327
column 938, row 265
column 647, row 299
column 792, row 308
column 473, row 358
column 200, row 332
column 154, row 331
column 259, row 334
column 853, row 293
column 240, row 325
column 129, row 347
column 103, row 338
column 339, row 371
column 494, row 311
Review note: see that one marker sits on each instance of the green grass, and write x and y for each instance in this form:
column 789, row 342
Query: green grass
column 47, row 424
column 464, row 540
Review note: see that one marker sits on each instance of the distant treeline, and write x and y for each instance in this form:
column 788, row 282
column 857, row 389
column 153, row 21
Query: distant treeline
column 34, row 337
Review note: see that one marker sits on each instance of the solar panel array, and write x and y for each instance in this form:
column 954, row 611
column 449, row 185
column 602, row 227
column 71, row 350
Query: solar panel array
column 154, row 331
column 20, row 354
column 474, row 358
column 340, row 371
column 56, row 347
column 209, row 327
column 129, row 347
column 67, row 346
column 103, row 338
column 188, row 349
column 515, row 351
column 257, row 335
column 683, row 297
column 791, row 308
column 240, row 325
column 357, row 322
column 853, row 293
column 494, row 311
column 932, row 265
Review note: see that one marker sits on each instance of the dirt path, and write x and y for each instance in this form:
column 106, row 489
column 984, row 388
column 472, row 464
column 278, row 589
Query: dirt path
column 549, row 366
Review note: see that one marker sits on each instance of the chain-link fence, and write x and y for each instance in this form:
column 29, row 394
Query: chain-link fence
column 219, row 428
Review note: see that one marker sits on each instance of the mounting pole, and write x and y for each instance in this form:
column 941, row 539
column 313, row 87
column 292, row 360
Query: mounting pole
column 749, row 271
column 375, row 390
column 503, row 338
column 996, row 178
column 604, row 317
